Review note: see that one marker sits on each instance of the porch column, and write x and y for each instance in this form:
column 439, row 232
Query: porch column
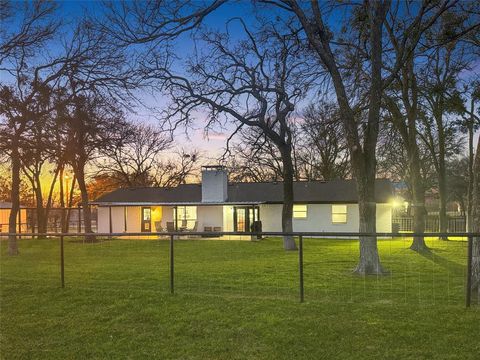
column 175, row 210
column 125, row 219
column 110, row 219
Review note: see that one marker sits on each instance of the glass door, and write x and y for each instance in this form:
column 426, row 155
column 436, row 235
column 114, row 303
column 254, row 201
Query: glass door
column 243, row 217
column 240, row 219
column 146, row 219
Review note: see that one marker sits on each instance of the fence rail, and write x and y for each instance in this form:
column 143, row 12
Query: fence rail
column 173, row 236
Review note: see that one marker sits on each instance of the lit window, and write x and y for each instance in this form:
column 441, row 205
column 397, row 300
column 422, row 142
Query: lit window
column 299, row 211
column 339, row 214
column 186, row 217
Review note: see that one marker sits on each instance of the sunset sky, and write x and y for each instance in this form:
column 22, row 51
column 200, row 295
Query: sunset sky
column 213, row 145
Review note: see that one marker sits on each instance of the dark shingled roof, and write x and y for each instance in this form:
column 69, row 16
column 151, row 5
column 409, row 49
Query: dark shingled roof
column 337, row 191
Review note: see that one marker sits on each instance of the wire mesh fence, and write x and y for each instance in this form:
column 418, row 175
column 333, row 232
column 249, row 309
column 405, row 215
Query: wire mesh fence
column 189, row 264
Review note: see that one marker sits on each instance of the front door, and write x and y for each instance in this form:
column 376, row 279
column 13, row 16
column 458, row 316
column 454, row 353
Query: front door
column 146, row 219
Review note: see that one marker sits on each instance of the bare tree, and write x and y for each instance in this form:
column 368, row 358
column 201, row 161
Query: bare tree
column 393, row 161
column 153, row 22
column 255, row 82
column 476, row 225
column 253, row 158
column 440, row 93
column 322, row 150
column 36, row 158
column 17, row 102
column 90, row 123
column 36, row 25
column 362, row 156
column 403, row 109
column 458, row 183
column 469, row 123
column 356, row 63
column 132, row 160
column 183, row 167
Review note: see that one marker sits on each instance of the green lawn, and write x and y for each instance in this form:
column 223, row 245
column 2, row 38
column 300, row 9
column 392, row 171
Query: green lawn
column 234, row 300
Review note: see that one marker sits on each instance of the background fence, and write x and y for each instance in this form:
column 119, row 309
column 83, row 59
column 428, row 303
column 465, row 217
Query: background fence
column 432, row 223
column 321, row 270
column 28, row 220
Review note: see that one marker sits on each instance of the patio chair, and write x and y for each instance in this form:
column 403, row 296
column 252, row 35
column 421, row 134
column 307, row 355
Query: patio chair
column 207, row 229
column 170, row 226
column 194, row 229
column 217, row 229
column 183, row 227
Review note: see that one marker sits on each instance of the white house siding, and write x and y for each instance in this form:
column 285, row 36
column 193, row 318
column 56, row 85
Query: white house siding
column 167, row 215
column 271, row 217
column 118, row 219
column 102, row 220
column 319, row 218
column 211, row 216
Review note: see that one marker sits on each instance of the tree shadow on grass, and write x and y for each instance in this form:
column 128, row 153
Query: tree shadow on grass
column 442, row 261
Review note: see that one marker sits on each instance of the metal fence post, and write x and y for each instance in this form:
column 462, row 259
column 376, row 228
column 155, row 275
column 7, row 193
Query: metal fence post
column 62, row 262
column 468, row 290
column 300, row 266
column 171, row 265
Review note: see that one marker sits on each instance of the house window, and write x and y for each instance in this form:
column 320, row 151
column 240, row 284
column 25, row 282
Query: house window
column 299, row 211
column 339, row 214
column 186, row 217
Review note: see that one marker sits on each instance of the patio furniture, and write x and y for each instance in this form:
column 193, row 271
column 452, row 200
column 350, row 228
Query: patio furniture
column 170, row 226
column 217, row 229
column 207, row 229
column 183, row 227
column 158, row 226
column 194, row 229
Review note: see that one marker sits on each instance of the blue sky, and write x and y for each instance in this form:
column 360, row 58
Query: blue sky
column 212, row 146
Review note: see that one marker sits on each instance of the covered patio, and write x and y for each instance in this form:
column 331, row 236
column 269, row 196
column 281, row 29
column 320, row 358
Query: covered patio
column 177, row 217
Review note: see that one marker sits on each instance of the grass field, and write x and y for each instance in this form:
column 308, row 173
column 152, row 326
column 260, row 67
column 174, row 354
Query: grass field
column 233, row 300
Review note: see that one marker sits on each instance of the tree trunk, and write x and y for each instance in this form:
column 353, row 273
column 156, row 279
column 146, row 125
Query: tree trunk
column 369, row 261
column 15, row 195
column 442, row 191
column 476, row 226
column 41, row 218
column 70, row 204
column 48, row 205
column 84, row 195
column 442, row 178
column 418, row 197
column 62, row 200
column 287, row 210
column 470, row 170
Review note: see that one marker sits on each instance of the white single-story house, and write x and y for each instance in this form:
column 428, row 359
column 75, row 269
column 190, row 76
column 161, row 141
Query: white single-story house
column 217, row 205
